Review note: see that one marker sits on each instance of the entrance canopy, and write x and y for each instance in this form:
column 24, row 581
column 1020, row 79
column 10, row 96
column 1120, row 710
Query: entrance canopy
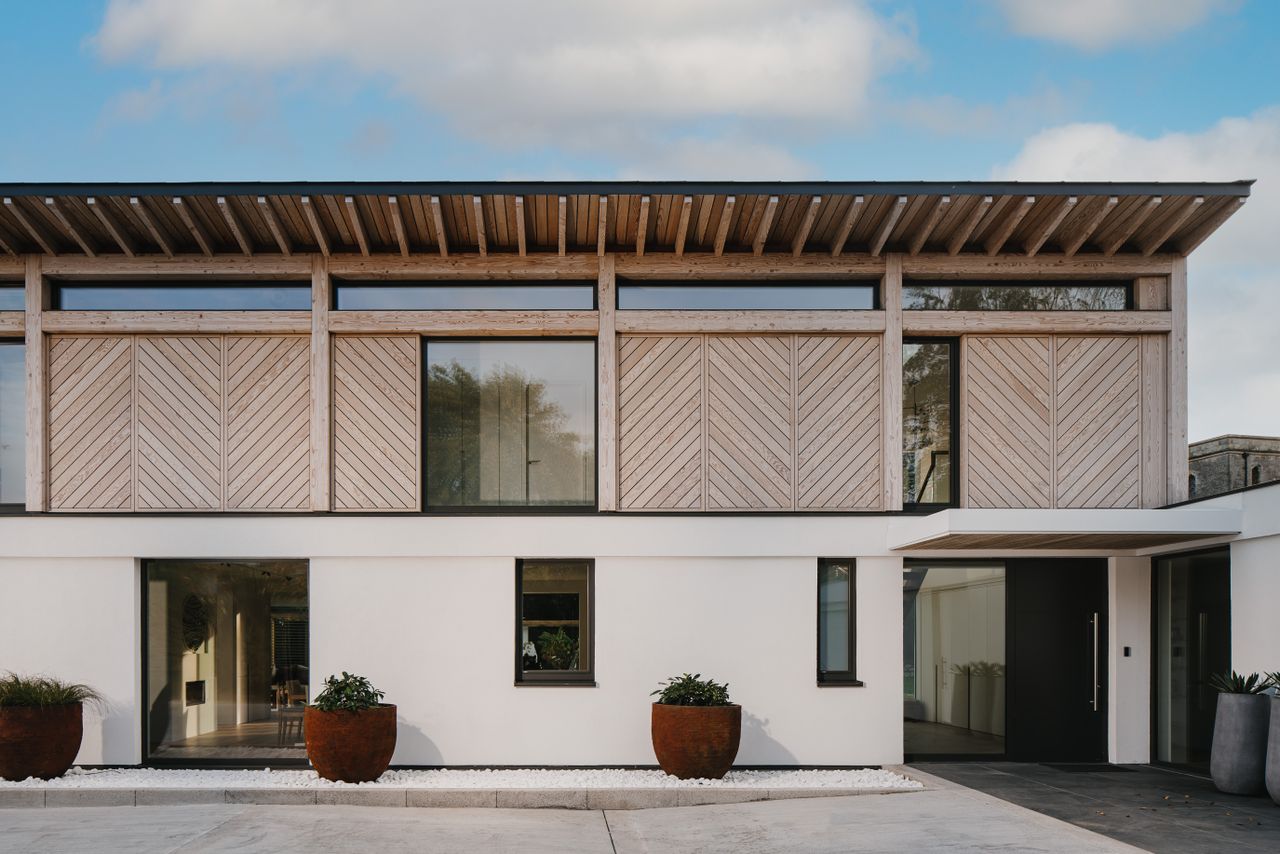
column 726, row 217
column 1060, row 530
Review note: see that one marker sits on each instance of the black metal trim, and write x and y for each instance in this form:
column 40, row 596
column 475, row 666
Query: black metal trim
column 584, row 679
column 916, row 507
column 839, row 678
column 1240, row 188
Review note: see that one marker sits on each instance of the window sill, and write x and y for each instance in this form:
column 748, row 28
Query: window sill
column 847, row 682
column 556, row 683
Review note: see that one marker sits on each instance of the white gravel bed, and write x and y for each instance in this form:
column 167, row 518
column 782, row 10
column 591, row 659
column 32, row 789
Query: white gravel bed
column 523, row 778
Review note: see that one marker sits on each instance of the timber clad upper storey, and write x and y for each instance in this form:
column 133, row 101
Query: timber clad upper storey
column 615, row 347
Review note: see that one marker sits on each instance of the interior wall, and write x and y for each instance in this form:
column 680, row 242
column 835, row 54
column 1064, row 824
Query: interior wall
column 77, row 619
column 438, row 634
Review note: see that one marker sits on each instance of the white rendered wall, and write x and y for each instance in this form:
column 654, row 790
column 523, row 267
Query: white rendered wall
column 437, row 635
column 1255, row 605
column 77, row 619
column 1129, row 678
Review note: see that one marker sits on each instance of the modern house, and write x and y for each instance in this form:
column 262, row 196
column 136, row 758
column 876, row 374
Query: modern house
column 904, row 463
column 1227, row 463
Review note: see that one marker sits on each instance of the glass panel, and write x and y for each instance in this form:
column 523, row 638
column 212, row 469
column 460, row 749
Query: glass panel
column 13, row 298
column 555, row 615
column 746, row 296
column 835, row 616
column 511, row 423
column 455, row 296
column 1015, row 296
column 953, row 658
column 182, row 297
column 927, row 383
column 13, row 422
column 1193, row 641
column 227, row 660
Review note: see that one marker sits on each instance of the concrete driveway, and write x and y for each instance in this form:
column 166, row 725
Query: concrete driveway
column 949, row 818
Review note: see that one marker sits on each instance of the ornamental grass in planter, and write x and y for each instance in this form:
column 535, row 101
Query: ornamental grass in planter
column 1237, row 762
column 1272, row 773
column 350, row 732
column 695, row 728
column 41, row 725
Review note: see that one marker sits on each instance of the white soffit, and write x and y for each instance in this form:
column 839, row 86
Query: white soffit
column 974, row 529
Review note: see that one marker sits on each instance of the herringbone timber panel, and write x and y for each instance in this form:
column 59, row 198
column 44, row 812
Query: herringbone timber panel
column 268, row 387
column 179, row 422
column 660, row 412
column 90, row 423
column 1008, row 405
column 1098, row 423
column 750, row 441
column 375, row 423
column 838, row 422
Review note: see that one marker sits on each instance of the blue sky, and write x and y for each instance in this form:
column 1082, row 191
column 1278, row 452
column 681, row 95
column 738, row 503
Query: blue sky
column 840, row 89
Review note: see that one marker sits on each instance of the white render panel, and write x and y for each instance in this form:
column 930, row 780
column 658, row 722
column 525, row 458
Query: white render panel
column 77, row 619
column 1129, row 678
column 1255, row 590
column 436, row 634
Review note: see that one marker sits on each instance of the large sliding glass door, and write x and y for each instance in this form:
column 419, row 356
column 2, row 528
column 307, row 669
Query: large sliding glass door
column 1193, row 641
column 227, row 660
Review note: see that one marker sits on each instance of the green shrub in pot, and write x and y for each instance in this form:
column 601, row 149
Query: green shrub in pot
column 41, row 725
column 1237, row 761
column 695, row 728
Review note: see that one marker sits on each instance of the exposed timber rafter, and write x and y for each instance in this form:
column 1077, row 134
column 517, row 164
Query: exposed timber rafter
column 437, row 218
column 273, row 224
column 357, row 227
column 1209, row 226
column 1037, row 240
column 1131, row 226
column 925, row 229
column 61, row 216
column 722, row 230
column 682, row 225
column 189, row 220
column 1013, row 216
column 887, row 224
column 965, row 230
column 317, row 231
column 642, row 225
column 397, row 224
column 1155, row 241
column 112, row 226
column 806, row 226
column 562, row 224
column 521, row 245
column 1089, row 227
column 856, row 205
column 233, row 223
column 602, row 231
column 766, row 221
column 148, row 221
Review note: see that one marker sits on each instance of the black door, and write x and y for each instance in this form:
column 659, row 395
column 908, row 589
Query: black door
column 1057, row 656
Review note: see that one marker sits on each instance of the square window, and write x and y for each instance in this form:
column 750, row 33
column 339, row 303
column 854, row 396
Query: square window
column 554, row 612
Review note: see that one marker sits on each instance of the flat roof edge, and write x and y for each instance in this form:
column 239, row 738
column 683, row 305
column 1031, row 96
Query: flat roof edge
column 1240, row 188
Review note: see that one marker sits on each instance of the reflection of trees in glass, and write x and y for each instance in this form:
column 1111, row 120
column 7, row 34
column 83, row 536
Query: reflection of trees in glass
column 500, row 439
column 1014, row 296
column 926, row 422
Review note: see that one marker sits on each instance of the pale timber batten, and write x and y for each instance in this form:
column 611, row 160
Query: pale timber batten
column 178, row 321
column 13, row 323
column 475, row 323
column 749, row 321
column 1013, row 322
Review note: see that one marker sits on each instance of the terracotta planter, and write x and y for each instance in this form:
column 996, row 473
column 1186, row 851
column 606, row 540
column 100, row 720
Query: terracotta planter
column 39, row 741
column 696, row 741
column 350, row 747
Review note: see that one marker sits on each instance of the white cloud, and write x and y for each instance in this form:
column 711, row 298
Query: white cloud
column 1101, row 24
column 1234, row 277
column 583, row 74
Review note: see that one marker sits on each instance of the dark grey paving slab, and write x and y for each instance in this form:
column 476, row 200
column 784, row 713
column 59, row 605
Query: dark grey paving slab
column 1146, row 806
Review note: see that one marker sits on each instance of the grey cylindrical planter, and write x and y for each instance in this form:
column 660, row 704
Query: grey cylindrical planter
column 1238, row 761
column 1273, row 752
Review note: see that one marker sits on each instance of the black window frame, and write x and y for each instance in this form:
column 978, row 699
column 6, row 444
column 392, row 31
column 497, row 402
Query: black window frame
column 562, row 678
column 954, row 501
column 1127, row 284
column 57, row 286
column 839, row 678
column 509, row 509
column 338, row 284
column 15, row 507
column 871, row 284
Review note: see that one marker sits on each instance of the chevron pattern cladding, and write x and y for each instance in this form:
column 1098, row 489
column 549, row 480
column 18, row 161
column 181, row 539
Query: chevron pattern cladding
column 1098, row 425
column 375, row 422
column 838, row 422
column 660, row 407
column 749, row 422
column 749, row 418
column 179, row 420
column 1054, row 421
column 1009, row 444
column 268, row 423
column 90, row 423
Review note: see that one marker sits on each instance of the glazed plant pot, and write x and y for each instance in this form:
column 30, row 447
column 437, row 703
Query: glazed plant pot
column 39, row 741
column 693, row 742
column 1238, row 761
column 350, row 747
column 1273, row 752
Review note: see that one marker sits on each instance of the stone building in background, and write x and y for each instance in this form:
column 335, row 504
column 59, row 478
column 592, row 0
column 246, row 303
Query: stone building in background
column 1232, row 462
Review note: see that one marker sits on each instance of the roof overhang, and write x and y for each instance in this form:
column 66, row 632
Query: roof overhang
column 1001, row 218
column 1060, row 530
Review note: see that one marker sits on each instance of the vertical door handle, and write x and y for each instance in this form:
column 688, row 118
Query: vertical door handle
column 1095, row 661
